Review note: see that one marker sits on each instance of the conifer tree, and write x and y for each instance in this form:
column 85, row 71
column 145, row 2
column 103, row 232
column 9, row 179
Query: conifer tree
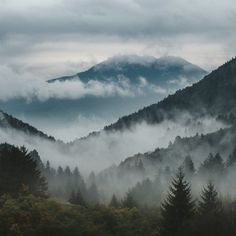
column 93, row 194
column 188, row 166
column 210, row 213
column 209, row 200
column 129, row 201
column 114, row 202
column 77, row 198
column 232, row 158
column 178, row 207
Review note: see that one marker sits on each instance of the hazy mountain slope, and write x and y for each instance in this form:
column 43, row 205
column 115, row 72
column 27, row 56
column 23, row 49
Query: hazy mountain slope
column 198, row 147
column 214, row 95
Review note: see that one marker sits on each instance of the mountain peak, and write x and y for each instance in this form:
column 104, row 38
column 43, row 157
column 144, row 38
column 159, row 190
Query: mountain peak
column 132, row 67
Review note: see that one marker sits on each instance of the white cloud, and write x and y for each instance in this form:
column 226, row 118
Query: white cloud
column 83, row 30
column 98, row 152
column 28, row 85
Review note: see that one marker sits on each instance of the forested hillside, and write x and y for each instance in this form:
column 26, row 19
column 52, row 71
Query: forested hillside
column 212, row 96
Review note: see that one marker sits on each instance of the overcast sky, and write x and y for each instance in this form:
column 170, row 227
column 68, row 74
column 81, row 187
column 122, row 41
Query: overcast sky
column 53, row 37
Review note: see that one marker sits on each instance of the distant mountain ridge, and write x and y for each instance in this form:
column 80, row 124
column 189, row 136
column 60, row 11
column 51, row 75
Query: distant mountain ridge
column 156, row 71
column 8, row 121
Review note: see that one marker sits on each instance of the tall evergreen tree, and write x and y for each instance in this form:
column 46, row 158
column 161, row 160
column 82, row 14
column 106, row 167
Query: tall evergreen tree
column 114, row 202
column 178, row 208
column 231, row 159
column 129, row 201
column 209, row 200
column 77, row 198
column 188, row 166
column 93, row 194
column 210, row 219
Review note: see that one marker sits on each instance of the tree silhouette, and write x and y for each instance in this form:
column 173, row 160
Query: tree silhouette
column 77, row 198
column 178, row 207
column 188, row 166
column 209, row 200
column 210, row 219
column 114, row 202
column 129, row 201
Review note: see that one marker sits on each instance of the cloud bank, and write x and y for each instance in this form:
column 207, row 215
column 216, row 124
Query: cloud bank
column 46, row 32
column 99, row 152
column 29, row 86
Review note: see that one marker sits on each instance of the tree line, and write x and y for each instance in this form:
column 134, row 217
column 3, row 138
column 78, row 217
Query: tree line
column 27, row 208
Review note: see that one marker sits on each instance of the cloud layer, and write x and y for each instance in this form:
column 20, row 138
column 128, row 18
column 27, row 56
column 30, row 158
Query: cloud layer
column 29, row 86
column 99, row 152
column 55, row 32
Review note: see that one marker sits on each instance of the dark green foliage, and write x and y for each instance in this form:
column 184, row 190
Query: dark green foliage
column 31, row 216
column 178, row 208
column 19, row 170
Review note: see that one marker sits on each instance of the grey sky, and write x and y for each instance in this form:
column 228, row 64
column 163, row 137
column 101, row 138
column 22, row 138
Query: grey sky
column 53, row 37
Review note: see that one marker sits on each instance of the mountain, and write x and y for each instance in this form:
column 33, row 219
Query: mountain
column 132, row 67
column 214, row 95
column 10, row 122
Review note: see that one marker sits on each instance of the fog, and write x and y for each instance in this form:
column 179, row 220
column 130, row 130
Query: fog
column 100, row 151
column 27, row 85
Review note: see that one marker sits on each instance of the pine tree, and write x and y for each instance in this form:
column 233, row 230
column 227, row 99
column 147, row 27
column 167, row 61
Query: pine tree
column 129, row 201
column 77, row 198
column 209, row 200
column 210, row 219
column 212, row 166
column 178, row 207
column 231, row 159
column 114, row 202
column 93, row 194
column 188, row 166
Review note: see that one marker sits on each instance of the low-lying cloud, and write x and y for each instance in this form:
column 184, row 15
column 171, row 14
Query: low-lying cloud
column 29, row 86
column 99, row 152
